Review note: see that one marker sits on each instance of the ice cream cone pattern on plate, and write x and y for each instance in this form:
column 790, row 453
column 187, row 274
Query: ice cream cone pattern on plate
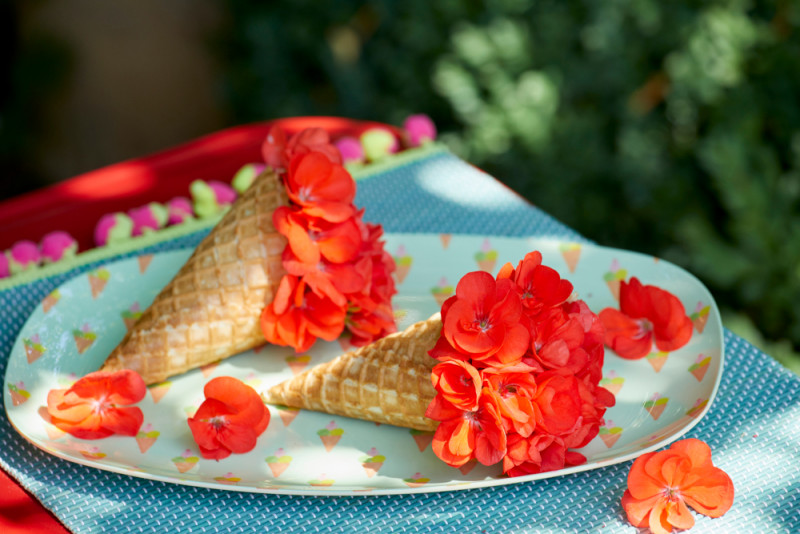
column 445, row 239
column 18, row 393
column 330, row 435
column 468, row 467
column 422, row 438
column 699, row 406
column 51, row 300
column 372, row 462
column 208, row 368
column 146, row 437
column 287, row 414
column 609, row 433
column 442, row 291
column 612, row 382
column 402, row 263
column 416, row 481
column 186, row 461
column 97, row 281
column 321, row 481
column 571, row 252
column 700, row 316
column 278, row 462
column 33, row 348
column 486, row 257
column 700, row 367
column 92, row 453
column 657, row 359
column 656, row 405
column 157, row 391
column 228, row 478
column 131, row 315
column 144, row 262
column 297, row 363
column 84, row 338
column 344, row 343
column 614, row 277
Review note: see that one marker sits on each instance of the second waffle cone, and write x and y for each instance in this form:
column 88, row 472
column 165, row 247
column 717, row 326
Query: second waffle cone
column 388, row 381
column 212, row 307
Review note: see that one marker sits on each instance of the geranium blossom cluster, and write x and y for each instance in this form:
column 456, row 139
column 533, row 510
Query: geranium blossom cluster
column 339, row 275
column 520, row 364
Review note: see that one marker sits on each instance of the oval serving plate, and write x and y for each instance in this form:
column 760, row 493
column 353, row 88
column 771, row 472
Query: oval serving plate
column 659, row 398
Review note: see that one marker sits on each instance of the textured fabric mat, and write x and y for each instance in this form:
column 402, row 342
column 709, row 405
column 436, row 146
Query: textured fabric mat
column 753, row 426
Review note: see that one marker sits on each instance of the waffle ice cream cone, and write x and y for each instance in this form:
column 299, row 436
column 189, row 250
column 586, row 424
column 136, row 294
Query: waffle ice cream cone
column 388, row 381
column 211, row 308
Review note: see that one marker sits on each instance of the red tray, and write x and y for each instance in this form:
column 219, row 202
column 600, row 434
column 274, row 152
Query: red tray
column 76, row 205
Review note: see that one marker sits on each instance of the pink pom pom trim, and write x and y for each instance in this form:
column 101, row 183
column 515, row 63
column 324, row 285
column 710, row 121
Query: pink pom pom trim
column 419, row 128
column 351, row 150
column 225, row 194
column 55, row 244
column 25, row 253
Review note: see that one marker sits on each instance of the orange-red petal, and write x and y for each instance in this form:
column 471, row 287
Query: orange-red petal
column 458, row 382
column 623, row 335
column 119, row 387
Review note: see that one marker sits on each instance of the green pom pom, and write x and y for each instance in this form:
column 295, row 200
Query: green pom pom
column 378, row 143
column 244, row 177
column 204, row 199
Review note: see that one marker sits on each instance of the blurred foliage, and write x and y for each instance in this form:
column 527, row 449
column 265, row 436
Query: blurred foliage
column 32, row 70
column 669, row 128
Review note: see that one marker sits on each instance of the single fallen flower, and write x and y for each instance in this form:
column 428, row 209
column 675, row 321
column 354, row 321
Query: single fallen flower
column 662, row 484
column 98, row 405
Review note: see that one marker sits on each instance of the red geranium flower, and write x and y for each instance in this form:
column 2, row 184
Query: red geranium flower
column 646, row 314
column 311, row 239
column 277, row 152
column 297, row 317
column 313, row 140
column 594, row 402
column 230, row 419
column 484, row 321
column 97, row 405
column 514, row 388
column 320, row 188
column 458, row 383
column 368, row 326
column 557, row 341
column 539, row 286
column 662, row 484
column 538, row 453
column 593, row 337
column 463, row 435
column 557, row 403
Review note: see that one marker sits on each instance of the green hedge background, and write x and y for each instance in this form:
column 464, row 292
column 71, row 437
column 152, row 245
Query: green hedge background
column 671, row 128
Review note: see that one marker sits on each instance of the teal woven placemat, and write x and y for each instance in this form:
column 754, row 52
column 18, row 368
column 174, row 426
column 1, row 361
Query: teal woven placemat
column 753, row 426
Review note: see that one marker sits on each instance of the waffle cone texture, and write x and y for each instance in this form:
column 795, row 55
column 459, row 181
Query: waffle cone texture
column 211, row 309
column 388, row 381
